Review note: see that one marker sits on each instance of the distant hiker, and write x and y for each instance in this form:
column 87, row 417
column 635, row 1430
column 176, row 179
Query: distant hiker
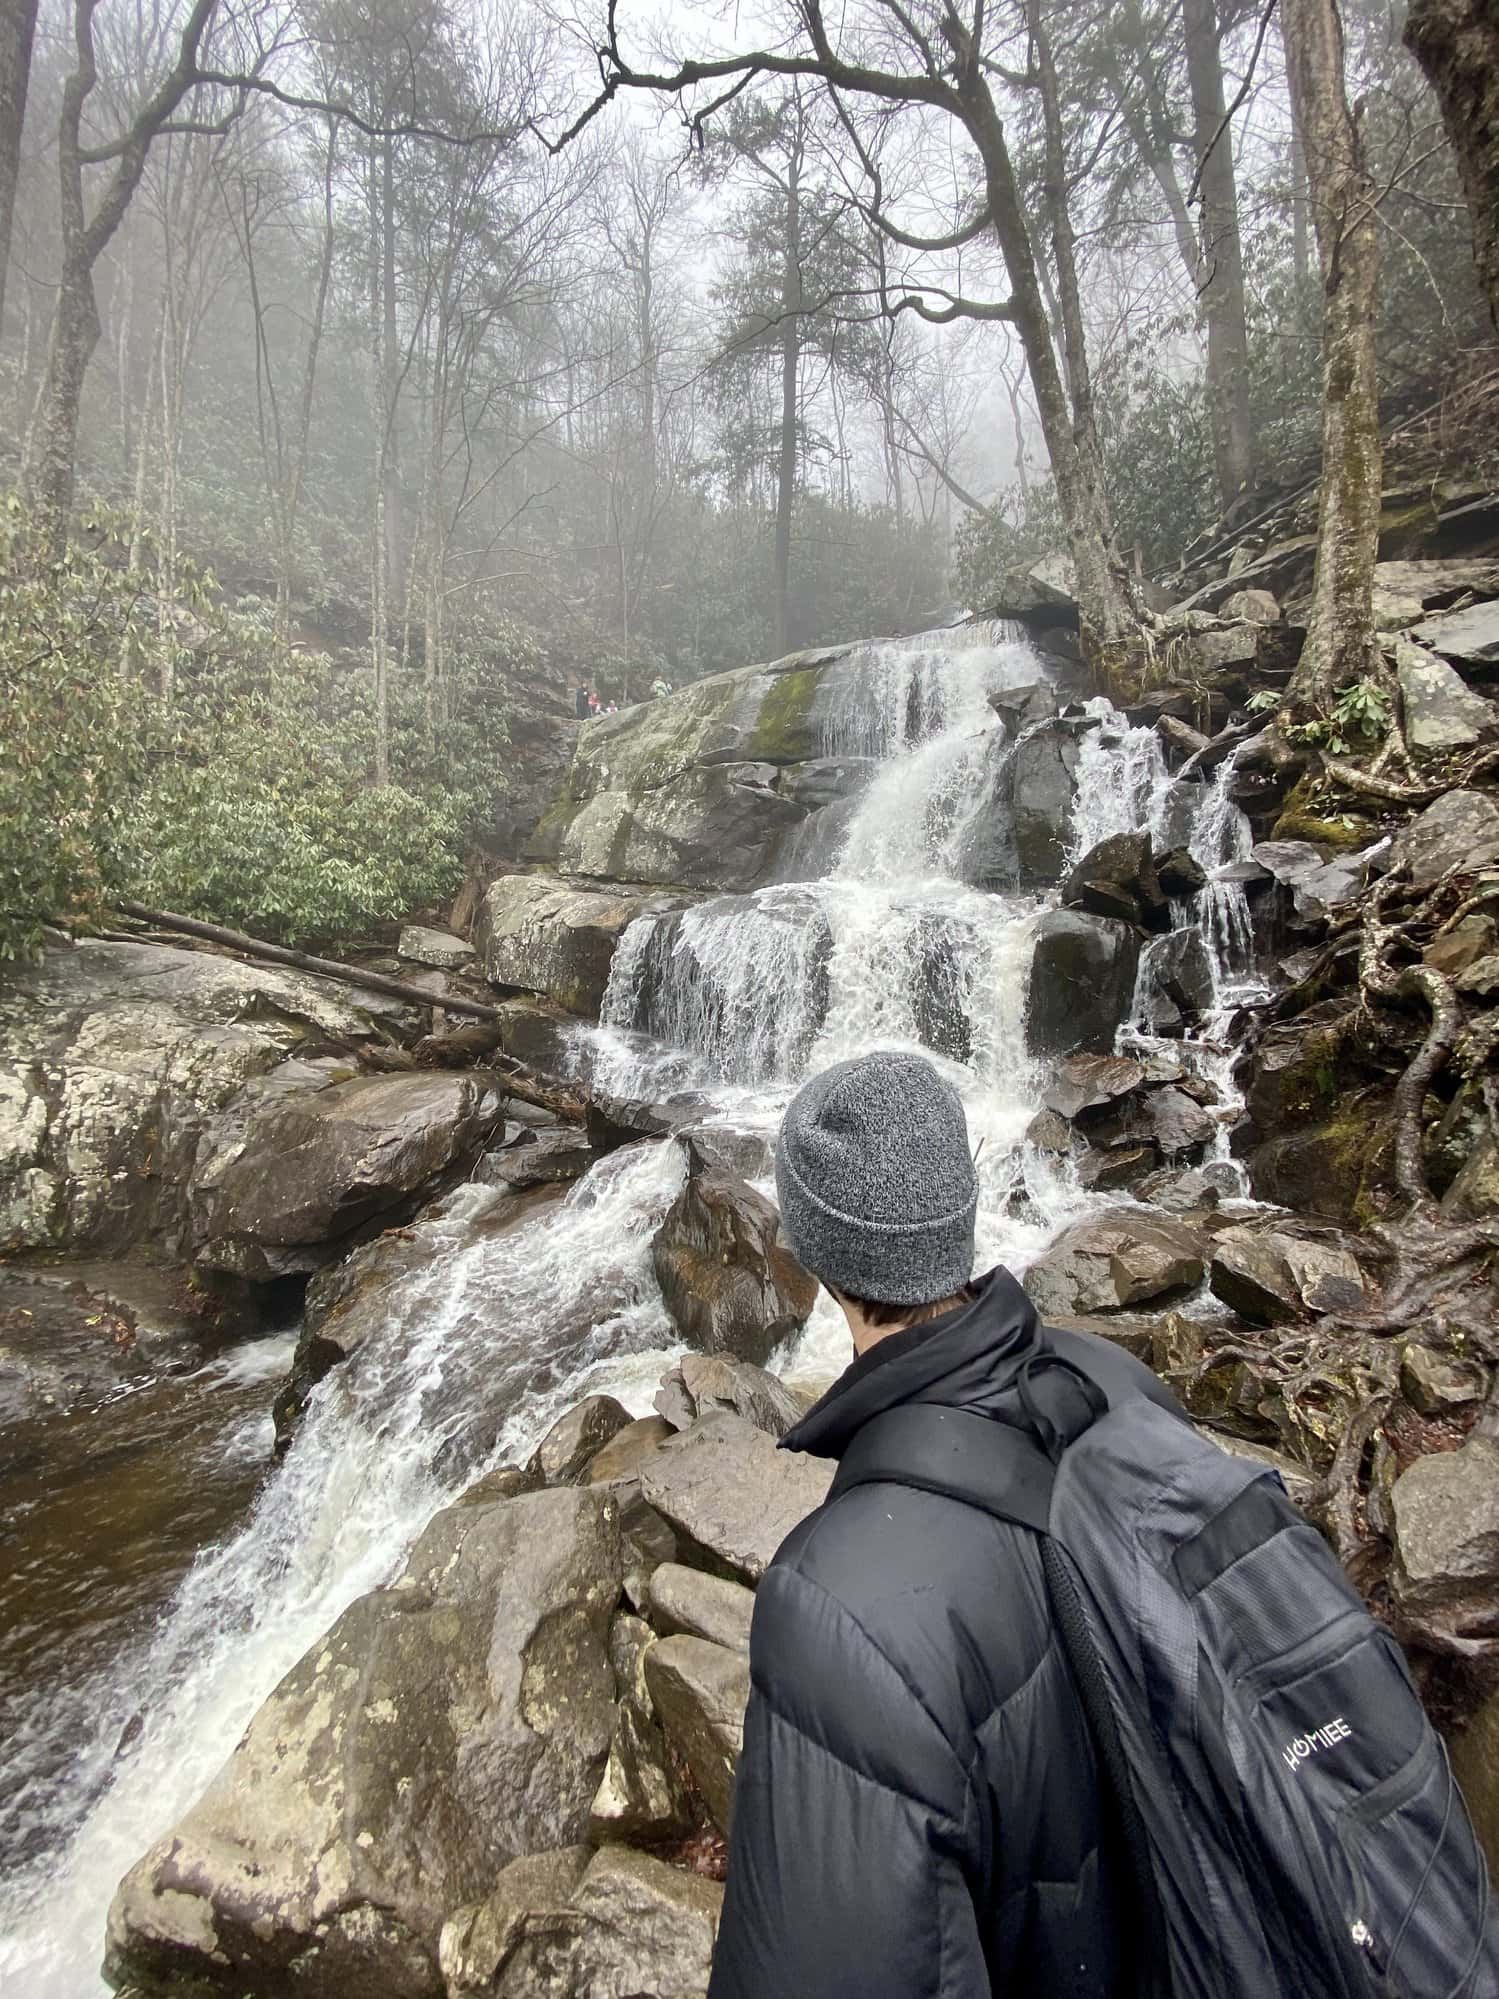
column 593, row 702
column 1052, row 1696
column 660, row 686
column 580, row 703
column 612, row 709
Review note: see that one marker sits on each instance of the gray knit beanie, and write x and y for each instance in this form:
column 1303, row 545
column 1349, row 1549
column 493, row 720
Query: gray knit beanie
column 877, row 1188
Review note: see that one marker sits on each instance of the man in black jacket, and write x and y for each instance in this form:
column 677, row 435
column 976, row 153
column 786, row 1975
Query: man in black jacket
column 917, row 1813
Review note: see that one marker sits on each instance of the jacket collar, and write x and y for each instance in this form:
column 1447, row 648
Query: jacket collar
column 966, row 1359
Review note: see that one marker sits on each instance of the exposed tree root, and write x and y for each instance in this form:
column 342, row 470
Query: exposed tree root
column 1351, row 778
column 1337, row 1503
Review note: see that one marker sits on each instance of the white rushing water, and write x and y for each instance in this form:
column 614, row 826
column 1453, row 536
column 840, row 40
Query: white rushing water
column 737, row 999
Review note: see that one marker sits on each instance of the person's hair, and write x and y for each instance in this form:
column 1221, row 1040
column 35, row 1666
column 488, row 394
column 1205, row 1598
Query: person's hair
column 880, row 1314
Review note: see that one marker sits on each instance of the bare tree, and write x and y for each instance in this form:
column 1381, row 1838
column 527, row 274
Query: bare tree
column 1456, row 42
column 1340, row 643
column 17, row 32
column 948, row 69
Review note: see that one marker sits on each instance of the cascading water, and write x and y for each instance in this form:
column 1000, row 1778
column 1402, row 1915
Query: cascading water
column 734, row 1000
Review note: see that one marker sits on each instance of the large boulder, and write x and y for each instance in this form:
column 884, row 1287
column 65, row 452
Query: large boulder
column 1082, row 982
column 434, row 947
column 1440, row 712
column 731, row 1494
column 1116, row 878
column 729, row 1282
column 542, row 935
column 441, row 1729
column 1043, row 790
column 701, row 1606
column 700, row 1691
column 566, row 1453
column 287, row 1191
column 709, row 1384
column 1115, row 1259
column 1446, row 1511
column 631, row 1927
column 716, row 828
column 114, row 1058
column 1470, row 637
column 1458, row 830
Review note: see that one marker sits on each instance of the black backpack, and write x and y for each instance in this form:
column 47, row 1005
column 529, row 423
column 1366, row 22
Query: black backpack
column 1293, row 1827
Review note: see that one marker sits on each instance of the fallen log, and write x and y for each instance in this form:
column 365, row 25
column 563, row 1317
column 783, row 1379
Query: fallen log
column 548, row 1093
column 1181, row 736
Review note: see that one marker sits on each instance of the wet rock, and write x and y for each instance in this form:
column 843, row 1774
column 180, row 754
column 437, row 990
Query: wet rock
column 1115, row 1259
column 532, row 1893
column 745, row 1155
column 433, row 947
column 1179, row 873
column 621, row 1457
column 539, row 1033
column 1440, row 712
column 114, row 1055
column 1250, row 1274
column 700, row 1691
column 536, row 1159
column 1317, row 884
column 646, row 1540
column 545, row 936
column 1019, row 707
column 701, row 1606
column 1133, row 1331
column 1333, row 1169
column 713, row 828
column 710, row 1384
column 1116, row 878
column 939, row 988
column 1470, row 637
column 568, row 1449
column 1124, row 1166
column 1084, row 1082
column 727, row 1279
column 1191, row 1189
column 1049, row 1131
column 1082, row 982
column 1458, row 830
column 286, row 1192
column 1446, row 1512
column 1180, row 966
column 1175, row 1121
column 634, row 1926
column 1432, row 1385
column 442, row 1728
column 1043, row 786
column 732, row 1494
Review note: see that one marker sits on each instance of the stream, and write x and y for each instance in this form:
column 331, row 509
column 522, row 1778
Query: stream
column 130, row 1678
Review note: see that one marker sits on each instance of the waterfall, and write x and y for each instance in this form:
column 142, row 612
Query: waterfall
column 498, row 1329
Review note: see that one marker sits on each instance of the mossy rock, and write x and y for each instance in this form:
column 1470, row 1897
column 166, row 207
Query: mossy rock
column 1406, row 531
column 1300, row 820
column 784, row 731
column 1340, row 1168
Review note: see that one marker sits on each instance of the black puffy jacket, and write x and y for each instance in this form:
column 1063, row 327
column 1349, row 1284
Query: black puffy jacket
column 917, row 1814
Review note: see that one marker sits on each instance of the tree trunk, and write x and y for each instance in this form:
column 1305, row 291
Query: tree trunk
column 791, row 336
column 1340, row 642
column 1063, row 241
column 17, row 32
column 1220, row 279
column 1111, row 624
column 1456, row 42
column 75, row 335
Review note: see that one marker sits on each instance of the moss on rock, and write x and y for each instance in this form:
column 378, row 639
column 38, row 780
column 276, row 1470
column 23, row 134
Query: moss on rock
column 784, row 731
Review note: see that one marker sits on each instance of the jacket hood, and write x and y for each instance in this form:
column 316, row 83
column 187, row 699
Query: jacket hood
column 967, row 1359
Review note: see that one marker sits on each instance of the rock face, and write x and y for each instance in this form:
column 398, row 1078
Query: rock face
column 729, row 1282
column 1082, row 982
column 700, row 1692
column 1113, row 1260
column 439, row 1730
column 113, row 1060
column 709, row 789
column 548, row 936
column 630, row 1927
column 287, row 1191
column 726, row 1488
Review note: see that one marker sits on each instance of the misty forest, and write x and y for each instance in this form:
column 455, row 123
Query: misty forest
column 564, row 567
